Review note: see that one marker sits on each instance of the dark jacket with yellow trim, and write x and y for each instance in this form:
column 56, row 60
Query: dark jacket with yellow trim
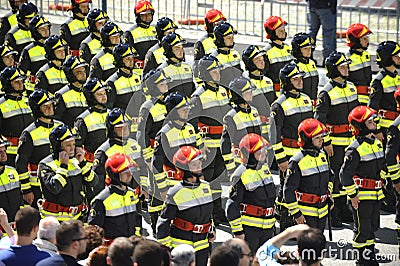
column 308, row 172
column 6, row 23
column 141, row 38
column 154, row 58
column 89, row 47
column 180, row 75
column 251, row 185
column 32, row 58
column 18, row 38
column 74, row 31
column 364, row 158
column 229, row 65
column 10, row 193
column 392, row 151
column 311, row 76
column 277, row 57
column 50, row 78
column 102, row 65
column 115, row 210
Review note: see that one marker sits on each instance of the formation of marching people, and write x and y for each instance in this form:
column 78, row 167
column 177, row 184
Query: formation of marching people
column 100, row 128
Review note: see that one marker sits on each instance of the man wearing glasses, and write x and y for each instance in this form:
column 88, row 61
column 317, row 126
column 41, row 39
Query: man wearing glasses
column 71, row 241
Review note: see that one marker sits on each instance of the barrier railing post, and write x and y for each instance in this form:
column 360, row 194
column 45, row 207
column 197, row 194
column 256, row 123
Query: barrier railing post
column 104, row 5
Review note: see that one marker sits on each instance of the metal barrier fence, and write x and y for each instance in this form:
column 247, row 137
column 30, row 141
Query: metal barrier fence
column 248, row 15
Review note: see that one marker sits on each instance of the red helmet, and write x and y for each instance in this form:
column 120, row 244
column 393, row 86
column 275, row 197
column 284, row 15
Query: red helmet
column 397, row 95
column 251, row 143
column 143, row 7
column 358, row 116
column 308, row 129
column 271, row 24
column 185, row 155
column 355, row 32
column 212, row 16
column 118, row 163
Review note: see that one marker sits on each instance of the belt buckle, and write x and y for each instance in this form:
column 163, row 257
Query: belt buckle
column 243, row 208
column 358, row 181
column 170, row 174
column 269, row 211
column 330, row 128
column 205, row 129
column 323, row 198
column 382, row 113
column 73, row 210
column 198, row 228
column 299, row 195
column 236, row 151
column 378, row 184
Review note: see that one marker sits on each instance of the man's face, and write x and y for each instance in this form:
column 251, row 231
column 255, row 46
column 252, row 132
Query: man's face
column 68, row 145
column 306, row 51
column 229, row 40
column 183, row 112
column 115, row 39
column 216, row 74
column 297, row 82
column 18, row 84
column 101, row 96
column 8, row 60
column 247, row 256
column 129, row 61
column 122, row 130
column 281, row 32
column 259, row 61
column 147, row 18
column 60, row 53
column 178, row 51
column 3, row 154
column 47, row 109
column 44, row 30
column 82, row 242
column 396, row 59
column 84, row 8
column 344, row 70
column 100, row 24
column 80, row 73
column 163, row 87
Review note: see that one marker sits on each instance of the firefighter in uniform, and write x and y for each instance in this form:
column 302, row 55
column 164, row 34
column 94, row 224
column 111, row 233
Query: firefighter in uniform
column 34, row 144
column 335, row 101
column 360, row 67
column 118, row 140
column 125, row 82
column 76, row 28
column 241, row 120
column 309, row 180
column 20, row 36
column 8, row 59
column 360, row 175
column 263, row 92
column 292, row 107
column 10, row 192
column 51, row 76
column 250, row 207
column 15, row 114
column 142, row 35
column 71, row 101
column 176, row 132
column 91, row 45
column 278, row 52
column 228, row 58
column 205, row 45
column 155, row 55
column 385, row 83
column 33, row 56
column 179, row 72
column 102, row 64
column 186, row 216
column 91, row 124
column 210, row 105
column 114, row 208
column 10, row 19
column 392, row 151
column 302, row 46
column 63, row 174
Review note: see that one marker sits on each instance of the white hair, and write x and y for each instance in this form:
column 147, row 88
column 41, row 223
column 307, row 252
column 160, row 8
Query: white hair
column 183, row 255
column 48, row 227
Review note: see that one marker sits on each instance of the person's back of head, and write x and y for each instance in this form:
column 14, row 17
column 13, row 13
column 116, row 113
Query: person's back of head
column 183, row 255
column 223, row 256
column 26, row 220
column 98, row 257
column 47, row 229
column 120, row 252
column 148, row 252
column 311, row 244
column 95, row 236
column 67, row 233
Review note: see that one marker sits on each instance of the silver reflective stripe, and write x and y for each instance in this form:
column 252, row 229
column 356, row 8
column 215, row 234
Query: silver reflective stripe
column 195, row 202
column 179, row 142
column 215, row 103
column 300, row 109
column 9, row 186
column 315, row 170
column 16, row 112
column 280, row 59
column 120, row 211
column 344, row 99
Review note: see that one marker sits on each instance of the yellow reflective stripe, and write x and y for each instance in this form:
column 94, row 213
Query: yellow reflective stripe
column 211, row 143
column 350, row 190
column 165, row 241
column 228, row 156
column 363, row 98
column 16, row 112
column 12, row 150
column 197, row 245
column 330, row 186
column 106, row 61
column 172, row 182
column 236, row 225
column 258, row 222
column 34, row 180
column 77, row 26
column 90, row 177
column 341, row 141
column 60, row 179
column 155, row 208
column 9, row 186
column 383, row 122
column 370, row 194
column 22, row 36
column 314, row 211
column 148, row 153
column 291, row 151
column 143, row 181
column 360, row 245
column 60, row 216
column 161, row 180
column 230, row 166
column 277, row 146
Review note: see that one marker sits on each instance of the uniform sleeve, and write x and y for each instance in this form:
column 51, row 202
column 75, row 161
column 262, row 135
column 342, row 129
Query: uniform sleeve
column 81, row 129
column 111, row 94
column 24, row 153
column 232, row 205
column 60, row 108
column 98, row 165
column 226, row 144
column 279, row 118
column 10, row 40
column 89, row 176
column 65, row 33
column 4, row 28
column 321, row 111
column 95, row 69
column 24, row 61
column 168, row 213
column 392, row 150
column 291, row 184
column 41, row 81
column 144, row 172
column 350, row 164
column 149, row 63
column 53, row 180
column 267, row 67
column 128, row 38
column 195, row 112
column 97, row 213
column 198, row 51
column 144, row 129
column 376, row 94
column 159, row 159
column 85, row 53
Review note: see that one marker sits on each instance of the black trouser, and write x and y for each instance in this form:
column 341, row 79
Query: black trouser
column 316, row 222
column 154, row 202
column 366, row 221
column 202, row 257
column 256, row 237
column 285, row 220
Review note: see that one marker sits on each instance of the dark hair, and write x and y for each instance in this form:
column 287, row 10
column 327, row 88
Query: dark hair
column 98, row 257
column 148, row 252
column 67, row 232
column 120, row 251
column 25, row 220
column 224, row 255
column 95, row 236
column 311, row 243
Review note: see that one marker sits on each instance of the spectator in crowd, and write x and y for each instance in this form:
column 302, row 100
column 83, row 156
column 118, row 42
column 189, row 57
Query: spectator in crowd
column 98, row 257
column 120, row 252
column 46, row 240
column 223, row 255
column 71, row 241
column 6, row 226
column 183, row 255
column 148, row 252
column 24, row 252
column 242, row 250
column 95, row 236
